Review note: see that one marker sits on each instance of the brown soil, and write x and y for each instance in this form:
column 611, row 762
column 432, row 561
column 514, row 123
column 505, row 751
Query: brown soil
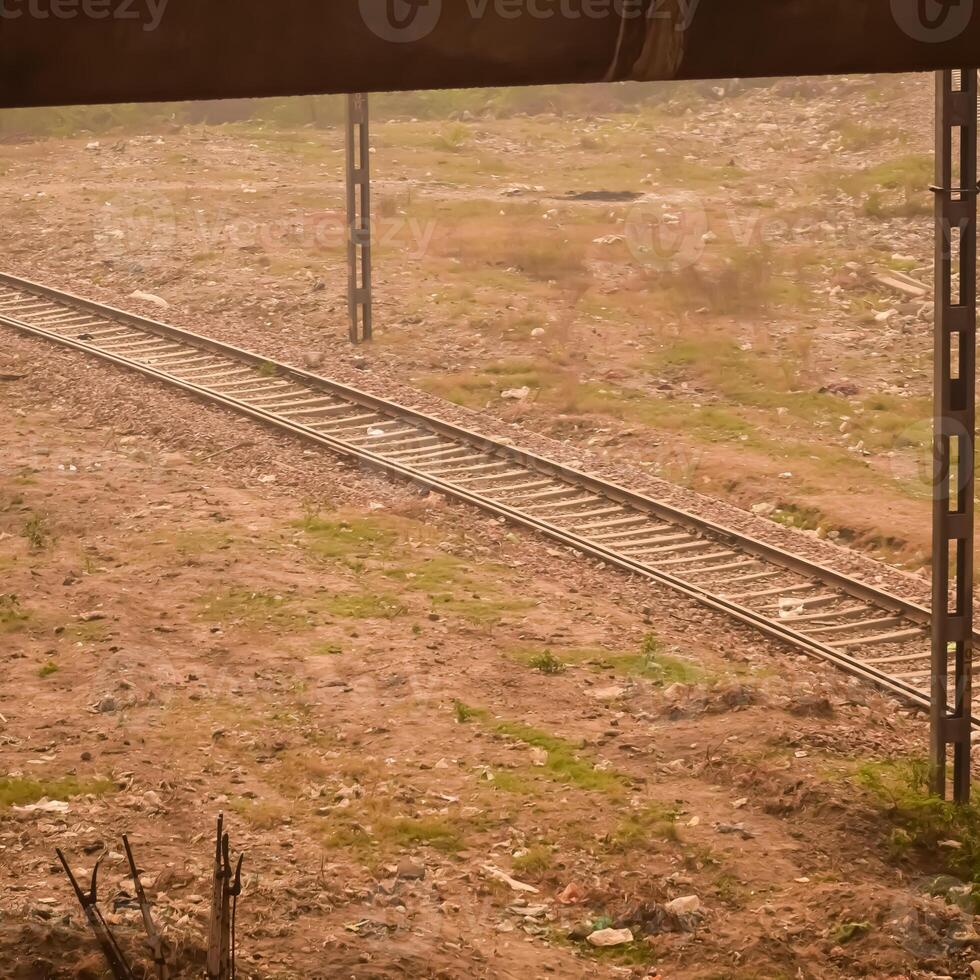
column 346, row 669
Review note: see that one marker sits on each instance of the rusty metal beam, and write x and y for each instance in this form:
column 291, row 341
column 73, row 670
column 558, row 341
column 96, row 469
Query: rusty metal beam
column 359, row 293
column 58, row 52
column 954, row 428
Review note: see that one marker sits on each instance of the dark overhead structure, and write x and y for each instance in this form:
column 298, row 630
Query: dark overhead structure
column 59, row 52
column 56, row 52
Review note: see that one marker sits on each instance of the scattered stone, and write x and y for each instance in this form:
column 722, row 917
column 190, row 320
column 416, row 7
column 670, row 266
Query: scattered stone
column 571, row 894
column 150, row 298
column 686, row 905
column 608, row 693
column 516, row 394
column 611, row 937
column 517, row 886
column 410, row 870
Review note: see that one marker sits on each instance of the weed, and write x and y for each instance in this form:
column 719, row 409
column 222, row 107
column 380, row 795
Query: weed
column 21, row 791
column 328, row 649
column 452, row 139
column 849, row 931
column 534, row 860
column 12, row 616
column 465, row 713
column 638, row 829
column 406, row 831
column 260, row 814
column 922, row 822
column 365, row 605
column 365, row 537
column 267, row 370
column 46, row 670
column 508, row 781
column 250, row 608
column 565, row 764
column 547, row 663
column 482, row 612
column 36, row 531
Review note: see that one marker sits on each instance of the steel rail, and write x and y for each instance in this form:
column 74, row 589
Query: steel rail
column 772, row 627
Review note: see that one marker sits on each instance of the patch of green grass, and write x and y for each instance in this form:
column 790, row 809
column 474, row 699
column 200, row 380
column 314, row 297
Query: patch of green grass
column 327, row 649
column 365, row 605
column 36, row 531
column 534, row 860
column 520, row 783
column 12, row 615
column 482, row 612
column 243, row 606
column 408, row 831
column 260, row 814
column 465, row 712
column 654, row 665
column 96, row 631
column 629, row 954
column 922, row 822
column 847, row 932
column 895, row 188
column 547, row 663
column 650, row 662
column 440, row 574
column 362, row 537
column 46, row 670
column 565, row 763
column 638, row 829
column 21, row 791
column 452, row 139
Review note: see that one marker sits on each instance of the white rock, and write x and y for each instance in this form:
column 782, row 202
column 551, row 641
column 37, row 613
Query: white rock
column 608, row 693
column 684, row 905
column 611, row 937
column 516, row 394
column 150, row 298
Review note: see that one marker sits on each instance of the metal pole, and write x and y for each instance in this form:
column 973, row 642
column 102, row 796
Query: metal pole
column 954, row 426
column 359, row 297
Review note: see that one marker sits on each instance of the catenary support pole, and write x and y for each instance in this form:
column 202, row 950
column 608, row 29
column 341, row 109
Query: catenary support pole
column 954, row 426
column 359, row 299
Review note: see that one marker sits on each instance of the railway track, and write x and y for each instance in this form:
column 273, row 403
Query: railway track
column 871, row 634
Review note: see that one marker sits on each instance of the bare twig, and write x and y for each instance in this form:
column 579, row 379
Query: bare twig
column 114, row 955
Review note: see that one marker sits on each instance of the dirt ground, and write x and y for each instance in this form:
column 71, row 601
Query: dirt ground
column 394, row 700
column 446, row 748
column 734, row 326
